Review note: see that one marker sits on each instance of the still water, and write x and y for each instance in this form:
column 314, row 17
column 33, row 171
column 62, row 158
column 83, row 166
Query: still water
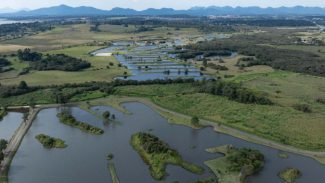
column 9, row 124
column 84, row 160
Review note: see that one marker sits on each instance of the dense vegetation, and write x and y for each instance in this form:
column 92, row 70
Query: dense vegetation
column 251, row 160
column 60, row 62
column 3, row 146
column 157, row 154
column 68, row 119
column 233, row 92
column 64, row 93
column 230, row 90
column 3, row 64
column 28, row 55
column 236, row 165
column 284, row 59
column 3, row 112
column 290, row 175
column 22, row 88
column 20, row 29
column 145, row 24
column 50, row 142
column 52, row 62
column 266, row 22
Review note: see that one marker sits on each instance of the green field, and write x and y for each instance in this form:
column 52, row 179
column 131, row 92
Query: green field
column 97, row 72
column 67, row 35
column 283, row 124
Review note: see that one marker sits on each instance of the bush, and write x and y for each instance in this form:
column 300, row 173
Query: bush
column 195, row 121
column 60, row 62
column 303, row 107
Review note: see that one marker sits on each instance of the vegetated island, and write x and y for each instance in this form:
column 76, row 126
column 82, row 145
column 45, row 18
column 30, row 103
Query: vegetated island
column 68, row 119
column 236, row 165
column 50, row 142
column 290, row 175
column 157, row 154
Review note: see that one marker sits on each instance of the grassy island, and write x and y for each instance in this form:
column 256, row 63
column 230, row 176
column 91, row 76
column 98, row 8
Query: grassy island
column 157, row 154
column 290, row 175
column 50, row 142
column 68, row 119
column 236, row 165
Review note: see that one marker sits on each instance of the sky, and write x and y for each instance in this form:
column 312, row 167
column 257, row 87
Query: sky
column 144, row 4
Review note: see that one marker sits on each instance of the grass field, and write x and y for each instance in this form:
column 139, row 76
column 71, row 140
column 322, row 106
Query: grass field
column 279, row 123
column 233, row 70
column 97, row 72
column 78, row 34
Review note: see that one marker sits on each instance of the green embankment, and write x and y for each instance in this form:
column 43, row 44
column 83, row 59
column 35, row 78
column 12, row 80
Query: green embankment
column 158, row 154
column 50, row 142
column 236, row 165
column 113, row 173
column 69, row 120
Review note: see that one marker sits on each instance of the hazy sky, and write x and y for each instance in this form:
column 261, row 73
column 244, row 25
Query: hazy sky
column 143, row 4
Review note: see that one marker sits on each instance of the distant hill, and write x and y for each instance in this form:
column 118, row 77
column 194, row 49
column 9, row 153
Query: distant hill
column 64, row 10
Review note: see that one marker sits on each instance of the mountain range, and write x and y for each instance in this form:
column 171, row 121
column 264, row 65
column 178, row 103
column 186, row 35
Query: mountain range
column 64, row 10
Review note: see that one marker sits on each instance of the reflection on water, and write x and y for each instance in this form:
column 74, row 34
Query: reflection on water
column 84, row 160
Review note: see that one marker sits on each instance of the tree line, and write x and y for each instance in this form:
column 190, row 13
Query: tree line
column 234, row 92
column 277, row 58
column 38, row 61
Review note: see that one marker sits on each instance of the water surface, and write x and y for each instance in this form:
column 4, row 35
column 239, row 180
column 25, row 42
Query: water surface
column 9, row 124
column 84, row 160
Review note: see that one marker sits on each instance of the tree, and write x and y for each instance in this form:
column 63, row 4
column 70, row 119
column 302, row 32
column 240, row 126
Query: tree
column 205, row 63
column 3, row 144
column 195, row 121
column 106, row 114
column 22, row 85
column 2, row 156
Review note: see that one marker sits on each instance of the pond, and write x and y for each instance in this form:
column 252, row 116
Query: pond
column 84, row 160
column 150, row 61
column 9, row 124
